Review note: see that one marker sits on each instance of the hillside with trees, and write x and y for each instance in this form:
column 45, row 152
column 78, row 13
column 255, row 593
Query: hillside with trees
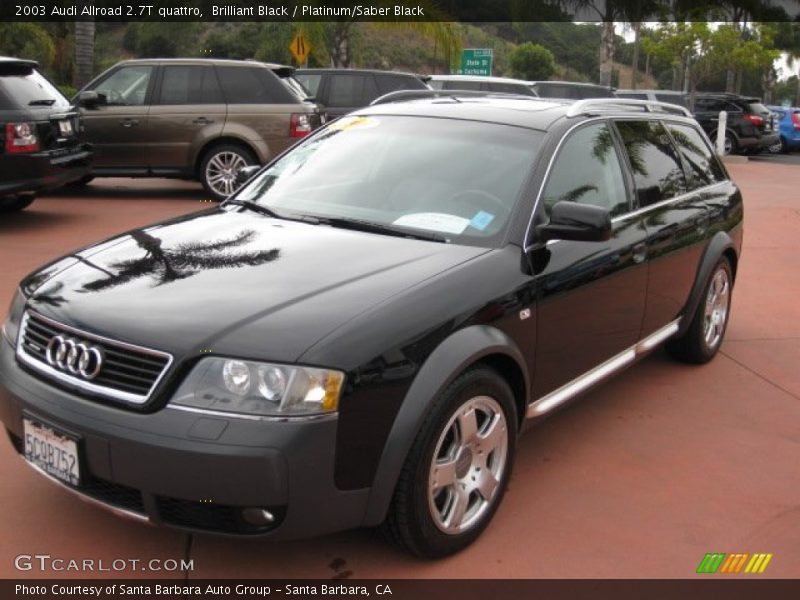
column 736, row 56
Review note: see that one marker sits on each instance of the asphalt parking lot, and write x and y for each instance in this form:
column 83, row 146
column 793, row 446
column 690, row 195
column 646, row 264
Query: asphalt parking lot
column 641, row 478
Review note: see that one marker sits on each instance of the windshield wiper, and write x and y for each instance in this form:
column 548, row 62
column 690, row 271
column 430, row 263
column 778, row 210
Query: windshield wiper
column 44, row 102
column 269, row 212
column 372, row 227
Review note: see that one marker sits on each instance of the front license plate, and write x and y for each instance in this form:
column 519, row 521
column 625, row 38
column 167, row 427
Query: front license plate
column 53, row 452
column 65, row 127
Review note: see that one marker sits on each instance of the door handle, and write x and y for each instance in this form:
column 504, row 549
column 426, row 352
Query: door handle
column 639, row 252
column 129, row 122
column 202, row 121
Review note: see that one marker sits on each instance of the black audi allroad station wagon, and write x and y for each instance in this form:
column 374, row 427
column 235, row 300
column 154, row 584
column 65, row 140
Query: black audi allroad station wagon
column 358, row 336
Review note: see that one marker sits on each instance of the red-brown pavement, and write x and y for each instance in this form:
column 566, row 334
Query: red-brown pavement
column 640, row 478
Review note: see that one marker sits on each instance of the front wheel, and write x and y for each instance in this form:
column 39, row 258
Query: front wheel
column 458, row 467
column 220, row 166
column 9, row 204
column 704, row 337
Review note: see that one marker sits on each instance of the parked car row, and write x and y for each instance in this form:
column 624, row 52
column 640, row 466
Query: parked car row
column 206, row 119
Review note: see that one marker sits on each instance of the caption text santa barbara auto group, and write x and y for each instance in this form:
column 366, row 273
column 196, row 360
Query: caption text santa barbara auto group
column 218, row 10
column 111, row 590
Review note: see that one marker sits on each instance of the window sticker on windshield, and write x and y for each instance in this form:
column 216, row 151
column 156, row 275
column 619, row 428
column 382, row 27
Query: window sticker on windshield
column 481, row 220
column 434, row 222
column 347, row 123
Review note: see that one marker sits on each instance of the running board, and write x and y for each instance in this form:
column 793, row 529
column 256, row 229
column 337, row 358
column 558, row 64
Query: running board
column 580, row 384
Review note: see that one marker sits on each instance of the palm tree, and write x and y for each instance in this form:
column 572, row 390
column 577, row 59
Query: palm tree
column 84, row 52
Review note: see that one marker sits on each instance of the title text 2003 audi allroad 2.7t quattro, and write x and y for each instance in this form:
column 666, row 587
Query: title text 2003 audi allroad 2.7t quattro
column 358, row 336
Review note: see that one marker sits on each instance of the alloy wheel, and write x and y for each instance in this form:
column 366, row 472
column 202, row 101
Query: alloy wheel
column 716, row 310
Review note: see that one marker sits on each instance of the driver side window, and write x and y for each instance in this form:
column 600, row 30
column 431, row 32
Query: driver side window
column 127, row 86
column 587, row 170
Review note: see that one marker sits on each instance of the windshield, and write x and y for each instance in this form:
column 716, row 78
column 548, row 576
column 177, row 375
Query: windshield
column 460, row 179
column 25, row 86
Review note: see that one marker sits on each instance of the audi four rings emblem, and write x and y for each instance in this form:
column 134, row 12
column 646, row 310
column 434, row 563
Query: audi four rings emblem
column 75, row 356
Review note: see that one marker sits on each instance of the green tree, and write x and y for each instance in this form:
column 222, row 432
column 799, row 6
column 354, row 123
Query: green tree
column 532, row 61
column 27, row 40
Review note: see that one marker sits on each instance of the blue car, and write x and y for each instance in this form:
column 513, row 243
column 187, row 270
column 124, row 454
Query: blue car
column 788, row 126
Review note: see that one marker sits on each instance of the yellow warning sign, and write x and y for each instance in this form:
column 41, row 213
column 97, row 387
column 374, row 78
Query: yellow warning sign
column 300, row 48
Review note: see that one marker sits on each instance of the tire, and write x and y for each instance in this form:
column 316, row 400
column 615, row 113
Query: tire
column 9, row 204
column 425, row 516
column 704, row 337
column 219, row 167
column 730, row 144
column 86, row 179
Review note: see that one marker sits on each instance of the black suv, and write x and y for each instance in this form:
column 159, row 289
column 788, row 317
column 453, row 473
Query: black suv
column 750, row 125
column 40, row 135
column 344, row 90
column 358, row 335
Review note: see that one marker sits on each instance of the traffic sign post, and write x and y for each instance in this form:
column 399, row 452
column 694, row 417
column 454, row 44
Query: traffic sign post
column 300, row 48
column 476, row 61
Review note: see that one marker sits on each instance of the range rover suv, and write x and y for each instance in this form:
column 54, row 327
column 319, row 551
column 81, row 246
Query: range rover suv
column 41, row 145
column 399, row 317
column 198, row 119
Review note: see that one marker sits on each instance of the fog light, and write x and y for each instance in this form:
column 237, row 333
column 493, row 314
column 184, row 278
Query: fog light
column 258, row 516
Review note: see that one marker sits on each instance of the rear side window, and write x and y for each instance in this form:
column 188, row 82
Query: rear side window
column 654, row 161
column 392, row 83
column 701, row 164
column 462, row 85
column 672, row 99
column 22, row 86
column 351, row 90
column 248, row 85
column 587, row 170
column 632, row 96
column 511, row 88
column 310, row 81
column 711, row 104
column 189, row 85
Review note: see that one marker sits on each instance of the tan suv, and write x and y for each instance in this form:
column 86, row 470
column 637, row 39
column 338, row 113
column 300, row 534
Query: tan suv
column 192, row 119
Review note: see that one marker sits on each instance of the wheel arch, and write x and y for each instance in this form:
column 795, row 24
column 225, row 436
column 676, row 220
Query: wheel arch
column 720, row 246
column 477, row 344
column 221, row 141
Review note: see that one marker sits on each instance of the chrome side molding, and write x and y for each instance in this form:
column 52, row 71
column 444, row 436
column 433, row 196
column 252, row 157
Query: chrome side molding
column 580, row 384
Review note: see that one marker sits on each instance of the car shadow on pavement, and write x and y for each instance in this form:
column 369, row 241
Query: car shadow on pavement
column 134, row 188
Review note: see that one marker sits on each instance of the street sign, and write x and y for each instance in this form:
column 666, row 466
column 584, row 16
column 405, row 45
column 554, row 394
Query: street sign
column 476, row 61
column 300, row 48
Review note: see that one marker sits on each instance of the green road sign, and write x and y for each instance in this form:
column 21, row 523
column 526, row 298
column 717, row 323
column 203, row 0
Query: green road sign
column 476, row 61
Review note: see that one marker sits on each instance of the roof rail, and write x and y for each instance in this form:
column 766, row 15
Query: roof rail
column 408, row 95
column 594, row 105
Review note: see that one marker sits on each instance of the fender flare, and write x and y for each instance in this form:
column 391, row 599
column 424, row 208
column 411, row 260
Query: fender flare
column 463, row 348
column 719, row 244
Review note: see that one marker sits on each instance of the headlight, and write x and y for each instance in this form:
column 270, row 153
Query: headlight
column 254, row 388
column 15, row 311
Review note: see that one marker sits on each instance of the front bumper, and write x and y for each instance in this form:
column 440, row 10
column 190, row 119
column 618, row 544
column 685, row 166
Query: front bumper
column 45, row 170
column 189, row 470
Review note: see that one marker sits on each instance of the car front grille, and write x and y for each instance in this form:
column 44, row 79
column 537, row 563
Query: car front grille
column 126, row 372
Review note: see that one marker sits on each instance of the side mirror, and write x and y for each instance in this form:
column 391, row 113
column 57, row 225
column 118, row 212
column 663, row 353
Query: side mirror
column 89, row 99
column 245, row 174
column 578, row 222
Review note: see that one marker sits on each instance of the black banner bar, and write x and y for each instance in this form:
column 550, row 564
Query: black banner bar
column 406, row 589
column 395, row 10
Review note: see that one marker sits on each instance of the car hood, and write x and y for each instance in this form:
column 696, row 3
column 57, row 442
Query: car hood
column 233, row 283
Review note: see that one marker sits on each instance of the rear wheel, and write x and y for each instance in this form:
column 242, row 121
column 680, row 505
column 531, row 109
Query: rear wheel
column 704, row 337
column 9, row 204
column 220, row 166
column 730, row 145
column 458, row 467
